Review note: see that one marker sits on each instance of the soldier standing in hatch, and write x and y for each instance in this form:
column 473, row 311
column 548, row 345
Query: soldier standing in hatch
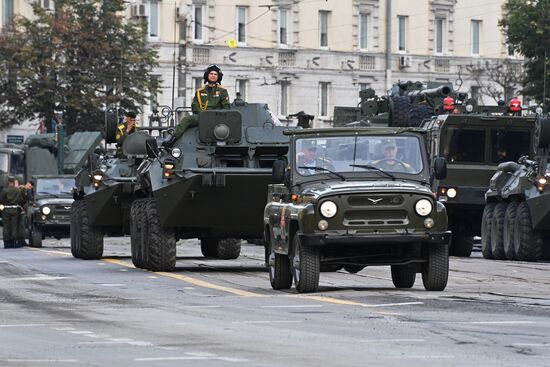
column 123, row 130
column 210, row 97
column 13, row 198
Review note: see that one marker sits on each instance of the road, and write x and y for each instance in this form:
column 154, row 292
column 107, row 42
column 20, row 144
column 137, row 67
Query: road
column 56, row 310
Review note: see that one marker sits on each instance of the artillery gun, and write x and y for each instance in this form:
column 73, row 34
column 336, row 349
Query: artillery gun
column 211, row 184
column 516, row 219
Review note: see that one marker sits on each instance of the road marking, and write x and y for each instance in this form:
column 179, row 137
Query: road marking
column 63, row 328
column 135, row 343
column 204, row 306
column 81, row 332
column 292, row 306
column 42, row 360
column 394, row 304
column 268, row 322
column 39, row 277
column 190, row 357
column 489, row 322
column 112, row 285
column 392, row 340
column 48, row 251
column 424, row 357
column 531, row 344
column 21, row 325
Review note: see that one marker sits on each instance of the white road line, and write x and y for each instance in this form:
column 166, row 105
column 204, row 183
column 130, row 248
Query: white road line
column 205, row 306
column 393, row 341
column 81, row 332
column 136, row 343
column 424, row 357
column 41, row 360
column 64, row 328
column 112, row 285
column 267, row 322
column 21, row 325
column 395, row 304
column 158, row 359
column 41, row 278
column 531, row 344
column 292, row 306
column 511, row 322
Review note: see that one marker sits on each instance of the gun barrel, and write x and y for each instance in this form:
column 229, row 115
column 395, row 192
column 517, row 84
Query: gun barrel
column 441, row 91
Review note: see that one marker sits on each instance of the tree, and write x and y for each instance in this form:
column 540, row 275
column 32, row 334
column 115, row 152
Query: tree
column 77, row 60
column 526, row 26
column 498, row 80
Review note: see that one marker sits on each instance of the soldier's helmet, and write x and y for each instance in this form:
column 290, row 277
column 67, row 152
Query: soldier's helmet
column 213, row 67
column 387, row 143
column 309, row 144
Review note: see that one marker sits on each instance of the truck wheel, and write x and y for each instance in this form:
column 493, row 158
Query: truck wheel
column 497, row 231
column 86, row 240
column 508, row 237
column 419, row 113
column 159, row 242
column 399, row 111
column 228, row 248
column 435, row 272
column 208, row 247
column 35, row 239
column 280, row 275
column 461, row 245
column 136, row 233
column 486, row 230
column 354, row 269
column 305, row 266
column 402, row 276
column 527, row 242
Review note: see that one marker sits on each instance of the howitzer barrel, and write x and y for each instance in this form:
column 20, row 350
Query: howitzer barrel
column 441, row 91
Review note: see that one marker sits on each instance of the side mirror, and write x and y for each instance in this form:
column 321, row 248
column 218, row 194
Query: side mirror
column 278, row 171
column 152, row 148
column 440, row 168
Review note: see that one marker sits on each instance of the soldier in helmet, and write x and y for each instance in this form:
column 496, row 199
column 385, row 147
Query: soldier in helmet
column 389, row 161
column 12, row 199
column 210, row 97
column 123, row 130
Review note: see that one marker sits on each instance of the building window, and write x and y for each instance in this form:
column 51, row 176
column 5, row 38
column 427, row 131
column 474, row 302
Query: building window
column 154, row 19
column 402, row 35
column 363, row 86
column 241, row 24
column 439, row 34
column 47, row 4
column 283, row 108
column 323, row 28
column 323, row 98
column 241, row 88
column 197, row 22
column 8, row 12
column 476, row 28
column 283, row 26
column 364, row 20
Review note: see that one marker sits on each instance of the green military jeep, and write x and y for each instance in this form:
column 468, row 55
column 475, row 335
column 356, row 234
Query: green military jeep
column 349, row 198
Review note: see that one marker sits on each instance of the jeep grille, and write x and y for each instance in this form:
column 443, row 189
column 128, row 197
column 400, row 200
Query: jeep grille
column 375, row 218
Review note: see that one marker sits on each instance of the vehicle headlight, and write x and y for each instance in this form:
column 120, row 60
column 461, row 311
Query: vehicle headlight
column 328, row 209
column 46, row 210
column 98, row 177
column 469, row 108
column 176, row 153
column 103, row 168
column 423, row 207
column 1, row 207
column 451, row 193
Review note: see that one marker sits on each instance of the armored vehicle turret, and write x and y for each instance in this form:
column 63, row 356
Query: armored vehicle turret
column 516, row 219
column 211, row 184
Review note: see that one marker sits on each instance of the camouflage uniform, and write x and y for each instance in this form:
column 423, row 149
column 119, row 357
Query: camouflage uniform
column 13, row 220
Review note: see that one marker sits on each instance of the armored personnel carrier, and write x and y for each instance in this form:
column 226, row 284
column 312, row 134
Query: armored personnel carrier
column 516, row 219
column 211, row 184
column 474, row 142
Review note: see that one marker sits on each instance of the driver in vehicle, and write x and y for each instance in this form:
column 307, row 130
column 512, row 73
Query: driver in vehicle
column 389, row 160
column 309, row 157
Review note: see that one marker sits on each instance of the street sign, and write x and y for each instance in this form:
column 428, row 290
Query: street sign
column 15, row 139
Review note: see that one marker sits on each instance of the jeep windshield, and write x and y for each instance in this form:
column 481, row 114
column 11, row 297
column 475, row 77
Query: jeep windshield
column 54, row 186
column 390, row 154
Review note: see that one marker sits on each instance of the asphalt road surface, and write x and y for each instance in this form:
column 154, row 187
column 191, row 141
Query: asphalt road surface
column 59, row 311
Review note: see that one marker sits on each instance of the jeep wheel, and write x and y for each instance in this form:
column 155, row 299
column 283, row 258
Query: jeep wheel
column 208, row 247
column 497, row 231
column 527, row 242
column 35, row 239
column 228, row 248
column 402, row 276
column 354, row 269
column 86, row 240
column 159, row 242
column 306, row 267
column 486, row 220
column 436, row 271
column 508, row 237
column 280, row 275
column 136, row 234
column 461, row 245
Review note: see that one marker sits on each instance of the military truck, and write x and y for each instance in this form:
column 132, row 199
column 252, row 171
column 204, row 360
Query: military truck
column 474, row 142
column 350, row 198
column 211, row 184
column 12, row 163
column 516, row 219
column 407, row 104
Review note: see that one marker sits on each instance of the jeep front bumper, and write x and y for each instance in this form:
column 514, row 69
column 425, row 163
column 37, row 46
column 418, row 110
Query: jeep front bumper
column 321, row 239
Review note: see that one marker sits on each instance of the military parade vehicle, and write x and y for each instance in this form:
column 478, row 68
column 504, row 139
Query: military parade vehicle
column 516, row 219
column 211, row 184
column 407, row 104
column 350, row 198
column 12, row 162
column 474, row 141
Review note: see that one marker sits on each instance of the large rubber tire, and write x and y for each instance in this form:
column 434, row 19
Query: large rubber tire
column 280, row 274
column 419, row 113
column 528, row 243
column 208, row 247
column 497, row 231
column 305, row 266
column 35, row 239
column 136, row 241
column 228, row 248
column 399, row 111
column 508, row 237
column 486, row 220
column 86, row 240
column 461, row 245
column 402, row 276
column 435, row 272
column 354, row 269
column 159, row 242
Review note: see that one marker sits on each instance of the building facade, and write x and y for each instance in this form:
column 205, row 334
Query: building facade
column 312, row 55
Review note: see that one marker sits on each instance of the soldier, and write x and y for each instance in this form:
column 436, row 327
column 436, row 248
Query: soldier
column 210, row 97
column 309, row 157
column 389, row 161
column 13, row 198
column 123, row 130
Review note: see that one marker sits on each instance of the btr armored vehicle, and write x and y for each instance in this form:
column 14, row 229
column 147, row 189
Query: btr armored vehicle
column 350, row 198
column 211, row 184
column 474, row 143
column 516, row 219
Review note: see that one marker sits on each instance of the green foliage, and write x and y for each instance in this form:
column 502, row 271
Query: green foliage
column 527, row 28
column 75, row 60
